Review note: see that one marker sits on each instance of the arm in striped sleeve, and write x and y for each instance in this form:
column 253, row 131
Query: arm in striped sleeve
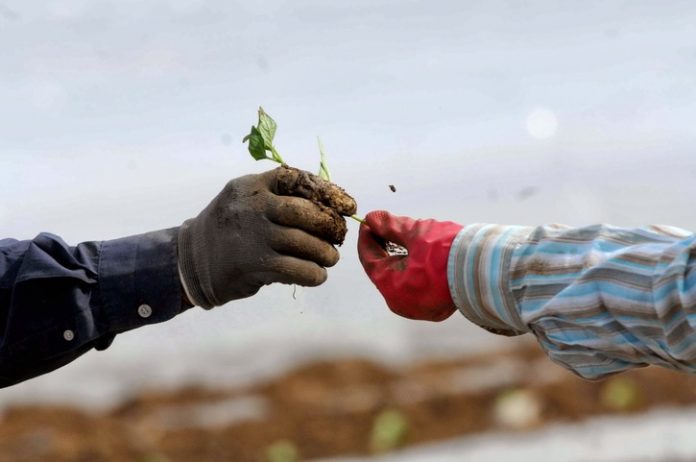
column 599, row 299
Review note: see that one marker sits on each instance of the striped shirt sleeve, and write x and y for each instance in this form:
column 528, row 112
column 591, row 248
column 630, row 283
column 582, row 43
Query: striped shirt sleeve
column 599, row 299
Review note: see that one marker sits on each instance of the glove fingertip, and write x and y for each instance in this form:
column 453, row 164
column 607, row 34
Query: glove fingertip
column 390, row 227
column 376, row 219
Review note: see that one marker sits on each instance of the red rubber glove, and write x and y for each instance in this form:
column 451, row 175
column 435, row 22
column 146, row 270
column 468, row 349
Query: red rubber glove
column 414, row 285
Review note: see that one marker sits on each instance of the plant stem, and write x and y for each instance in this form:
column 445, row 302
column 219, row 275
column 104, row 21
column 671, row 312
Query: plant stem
column 323, row 167
column 358, row 219
column 276, row 156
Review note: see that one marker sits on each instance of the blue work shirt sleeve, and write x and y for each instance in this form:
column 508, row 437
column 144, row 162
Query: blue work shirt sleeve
column 58, row 302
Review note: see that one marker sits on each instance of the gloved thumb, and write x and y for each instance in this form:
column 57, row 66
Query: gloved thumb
column 370, row 250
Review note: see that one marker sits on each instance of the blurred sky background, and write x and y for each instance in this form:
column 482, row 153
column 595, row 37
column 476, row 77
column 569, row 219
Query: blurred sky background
column 120, row 117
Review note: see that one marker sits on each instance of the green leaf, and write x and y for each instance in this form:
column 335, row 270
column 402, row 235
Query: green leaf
column 323, row 165
column 246, row 138
column 257, row 147
column 261, row 139
column 267, row 128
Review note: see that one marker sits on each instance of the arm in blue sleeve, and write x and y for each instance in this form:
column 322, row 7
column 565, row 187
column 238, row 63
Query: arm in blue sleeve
column 599, row 299
column 58, row 302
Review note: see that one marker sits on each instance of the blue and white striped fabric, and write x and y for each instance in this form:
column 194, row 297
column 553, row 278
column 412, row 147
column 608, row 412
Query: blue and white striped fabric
column 599, row 299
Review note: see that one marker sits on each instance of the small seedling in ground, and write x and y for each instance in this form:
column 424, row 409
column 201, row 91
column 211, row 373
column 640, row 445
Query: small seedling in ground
column 261, row 147
column 154, row 458
column 282, row 451
column 621, row 394
column 389, row 431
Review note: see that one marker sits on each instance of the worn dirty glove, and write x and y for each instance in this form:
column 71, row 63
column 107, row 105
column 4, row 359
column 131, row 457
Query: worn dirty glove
column 251, row 235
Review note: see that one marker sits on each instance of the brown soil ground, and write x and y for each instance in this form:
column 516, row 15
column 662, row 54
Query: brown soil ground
column 327, row 409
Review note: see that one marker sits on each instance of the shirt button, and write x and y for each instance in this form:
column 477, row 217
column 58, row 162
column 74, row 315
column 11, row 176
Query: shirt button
column 68, row 335
column 145, row 311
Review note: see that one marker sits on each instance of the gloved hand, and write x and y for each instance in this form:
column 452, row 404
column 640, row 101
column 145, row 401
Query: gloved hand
column 414, row 285
column 250, row 236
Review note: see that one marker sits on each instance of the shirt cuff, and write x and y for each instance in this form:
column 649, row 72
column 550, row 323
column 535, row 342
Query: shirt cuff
column 139, row 281
column 478, row 273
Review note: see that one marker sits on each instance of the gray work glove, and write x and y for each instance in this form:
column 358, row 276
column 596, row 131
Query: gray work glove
column 250, row 236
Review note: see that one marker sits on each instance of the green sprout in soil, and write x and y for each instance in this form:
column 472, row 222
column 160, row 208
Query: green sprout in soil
column 261, row 147
column 389, row 431
column 621, row 394
column 282, row 451
column 154, row 458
